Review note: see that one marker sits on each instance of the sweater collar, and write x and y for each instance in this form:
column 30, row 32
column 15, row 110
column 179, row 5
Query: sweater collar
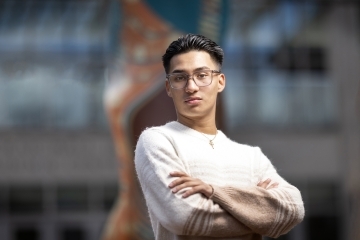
column 185, row 129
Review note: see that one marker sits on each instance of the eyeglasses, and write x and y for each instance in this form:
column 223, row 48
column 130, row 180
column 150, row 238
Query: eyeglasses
column 201, row 78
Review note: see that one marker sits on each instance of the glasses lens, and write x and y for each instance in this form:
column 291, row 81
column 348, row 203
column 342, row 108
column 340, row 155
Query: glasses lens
column 178, row 80
column 203, row 78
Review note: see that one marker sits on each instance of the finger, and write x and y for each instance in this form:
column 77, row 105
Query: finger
column 265, row 183
column 262, row 183
column 187, row 194
column 274, row 185
column 178, row 174
column 180, row 181
column 185, row 185
column 192, row 191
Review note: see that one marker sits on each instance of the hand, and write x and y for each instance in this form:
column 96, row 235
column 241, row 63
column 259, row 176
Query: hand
column 266, row 184
column 195, row 185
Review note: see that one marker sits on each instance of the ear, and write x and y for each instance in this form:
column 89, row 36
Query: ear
column 168, row 87
column 221, row 82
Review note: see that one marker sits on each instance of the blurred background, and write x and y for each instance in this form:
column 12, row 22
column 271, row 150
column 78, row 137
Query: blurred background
column 292, row 71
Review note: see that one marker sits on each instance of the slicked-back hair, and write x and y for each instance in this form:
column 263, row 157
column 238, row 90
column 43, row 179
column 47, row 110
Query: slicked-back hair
column 191, row 42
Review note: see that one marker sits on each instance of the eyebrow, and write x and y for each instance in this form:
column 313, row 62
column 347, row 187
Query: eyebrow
column 195, row 70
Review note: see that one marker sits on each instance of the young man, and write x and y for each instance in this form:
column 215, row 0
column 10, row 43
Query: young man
column 197, row 183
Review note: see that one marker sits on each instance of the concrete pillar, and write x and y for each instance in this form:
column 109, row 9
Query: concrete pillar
column 344, row 63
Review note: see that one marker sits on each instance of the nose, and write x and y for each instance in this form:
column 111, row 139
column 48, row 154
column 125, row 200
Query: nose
column 191, row 85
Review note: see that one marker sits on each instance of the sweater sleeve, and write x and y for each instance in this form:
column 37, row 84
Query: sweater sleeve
column 155, row 158
column 270, row 212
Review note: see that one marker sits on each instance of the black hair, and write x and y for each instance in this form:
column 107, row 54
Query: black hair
column 191, row 42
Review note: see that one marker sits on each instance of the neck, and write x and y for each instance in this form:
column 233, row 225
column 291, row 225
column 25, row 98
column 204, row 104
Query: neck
column 207, row 126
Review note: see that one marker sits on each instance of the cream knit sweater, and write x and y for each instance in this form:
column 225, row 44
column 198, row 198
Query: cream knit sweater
column 238, row 208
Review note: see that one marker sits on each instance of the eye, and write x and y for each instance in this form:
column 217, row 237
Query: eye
column 179, row 78
column 201, row 75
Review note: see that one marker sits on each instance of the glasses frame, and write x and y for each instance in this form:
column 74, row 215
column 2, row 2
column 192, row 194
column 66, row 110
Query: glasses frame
column 191, row 76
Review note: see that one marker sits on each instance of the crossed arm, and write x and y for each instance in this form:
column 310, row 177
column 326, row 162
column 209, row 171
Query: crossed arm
column 265, row 209
column 257, row 209
column 198, row 186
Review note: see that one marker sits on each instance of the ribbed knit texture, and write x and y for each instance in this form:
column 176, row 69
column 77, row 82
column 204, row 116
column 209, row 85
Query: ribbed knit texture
column 238, row 208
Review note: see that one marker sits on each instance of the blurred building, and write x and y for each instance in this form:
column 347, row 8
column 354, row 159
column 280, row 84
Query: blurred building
column 292, row 71
column 58, row 176
column 292, row 88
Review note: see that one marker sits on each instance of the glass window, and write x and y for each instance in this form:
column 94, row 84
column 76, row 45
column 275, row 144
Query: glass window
column 110, row 196
column 322, row 198
column 322, row 210
column 276, row 70
column 54, row 77
column 72, row 233
column 3, row 199
column 72, row 198
column 26, row 233
column 323, row 227
column 25, row 199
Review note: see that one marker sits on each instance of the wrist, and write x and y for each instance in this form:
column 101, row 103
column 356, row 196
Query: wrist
column 211, row 192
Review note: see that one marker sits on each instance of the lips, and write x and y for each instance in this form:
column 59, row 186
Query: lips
column 193, row 100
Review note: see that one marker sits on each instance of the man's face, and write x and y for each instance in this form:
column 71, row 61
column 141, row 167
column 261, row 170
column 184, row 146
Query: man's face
column 194, row 102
